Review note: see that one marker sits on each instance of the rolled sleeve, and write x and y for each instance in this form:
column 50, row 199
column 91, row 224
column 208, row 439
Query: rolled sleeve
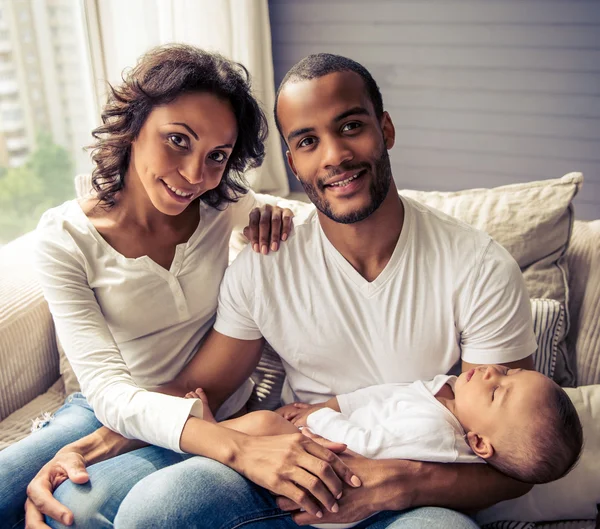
column 499, row 327
column 236, row 298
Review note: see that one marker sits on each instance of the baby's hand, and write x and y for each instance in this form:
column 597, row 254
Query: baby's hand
column 192, row 395
column 298, row 412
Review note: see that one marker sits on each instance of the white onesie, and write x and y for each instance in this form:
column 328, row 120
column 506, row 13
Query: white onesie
column 395, row 421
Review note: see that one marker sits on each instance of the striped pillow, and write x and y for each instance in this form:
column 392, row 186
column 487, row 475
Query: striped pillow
column 548, row 325
column 509, row 525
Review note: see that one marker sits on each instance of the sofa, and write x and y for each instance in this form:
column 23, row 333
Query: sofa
column 35, row 377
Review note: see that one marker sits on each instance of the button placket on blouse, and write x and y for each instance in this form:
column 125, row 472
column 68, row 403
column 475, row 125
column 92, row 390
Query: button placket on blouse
column 171, row 278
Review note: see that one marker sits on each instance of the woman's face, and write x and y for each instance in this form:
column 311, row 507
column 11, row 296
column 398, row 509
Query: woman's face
column 182, row 150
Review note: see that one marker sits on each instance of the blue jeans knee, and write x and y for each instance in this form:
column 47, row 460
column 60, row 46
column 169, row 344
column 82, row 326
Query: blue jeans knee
column 198, row 493
column 21, row 461
column 95, row 503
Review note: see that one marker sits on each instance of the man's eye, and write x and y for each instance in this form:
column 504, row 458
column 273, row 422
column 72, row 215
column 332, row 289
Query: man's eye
column 306, row 142
column 178, row 140
column 350, row 126
column 219, row 157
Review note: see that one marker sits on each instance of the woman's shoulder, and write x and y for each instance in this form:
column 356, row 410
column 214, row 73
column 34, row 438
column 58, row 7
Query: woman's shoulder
column 62, row 229
column 55, row 218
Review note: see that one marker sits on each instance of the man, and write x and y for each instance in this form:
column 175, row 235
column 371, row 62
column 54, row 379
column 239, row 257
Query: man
column 369, row 289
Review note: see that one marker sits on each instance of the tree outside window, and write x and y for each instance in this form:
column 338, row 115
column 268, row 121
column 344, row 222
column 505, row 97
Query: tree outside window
column 46, row 108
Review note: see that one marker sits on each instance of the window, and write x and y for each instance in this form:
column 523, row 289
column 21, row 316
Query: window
column 40, row 141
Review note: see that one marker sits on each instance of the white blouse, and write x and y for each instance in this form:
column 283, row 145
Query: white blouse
column 129, row 325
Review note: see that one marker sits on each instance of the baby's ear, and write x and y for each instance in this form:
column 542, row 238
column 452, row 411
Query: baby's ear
column 481, row 445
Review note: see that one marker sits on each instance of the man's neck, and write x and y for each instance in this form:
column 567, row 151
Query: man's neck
column 368, row 245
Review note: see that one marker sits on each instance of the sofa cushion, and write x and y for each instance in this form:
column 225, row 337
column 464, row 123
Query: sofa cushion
column 28, row 358
column 583, row 341
column 573, row 497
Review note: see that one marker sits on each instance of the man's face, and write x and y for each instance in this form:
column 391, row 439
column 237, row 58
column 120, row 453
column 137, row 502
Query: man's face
column 337, row 146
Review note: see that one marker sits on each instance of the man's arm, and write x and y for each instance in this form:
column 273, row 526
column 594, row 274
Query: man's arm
column 219, row 367
column 391, row 484
column 525, row 363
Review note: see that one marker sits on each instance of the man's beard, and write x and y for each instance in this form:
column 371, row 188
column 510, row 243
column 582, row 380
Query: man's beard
column 378, row 190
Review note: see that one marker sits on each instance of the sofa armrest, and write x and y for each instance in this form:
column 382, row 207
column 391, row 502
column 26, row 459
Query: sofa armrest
column 28, row 355
column 583, row 261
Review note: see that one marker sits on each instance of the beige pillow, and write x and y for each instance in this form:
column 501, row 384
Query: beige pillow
column 533, row 221
column 573, row 497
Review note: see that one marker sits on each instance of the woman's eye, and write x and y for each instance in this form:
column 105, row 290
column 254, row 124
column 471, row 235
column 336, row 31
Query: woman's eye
column 218, row 157
column 350, row 126
column 306, row 142
column 178, row 140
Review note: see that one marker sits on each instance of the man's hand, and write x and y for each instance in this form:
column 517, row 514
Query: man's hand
column 297, row 412
column 40, row 501
column 355, row 503
column 358, row 503
column 298, row 468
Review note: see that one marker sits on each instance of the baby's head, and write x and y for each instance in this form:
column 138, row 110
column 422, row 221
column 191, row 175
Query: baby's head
column 519, row 421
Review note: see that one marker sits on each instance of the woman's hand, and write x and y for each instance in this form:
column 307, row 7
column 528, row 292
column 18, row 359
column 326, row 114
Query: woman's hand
column 267, row 226
column 40, row 501
column 296, row 467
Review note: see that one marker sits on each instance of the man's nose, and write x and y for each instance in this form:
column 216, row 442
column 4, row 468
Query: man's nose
column 336, row 153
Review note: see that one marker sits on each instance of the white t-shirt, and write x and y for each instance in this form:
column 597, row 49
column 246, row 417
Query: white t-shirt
column 397, row 421
column 129, row 325
column 448, row 291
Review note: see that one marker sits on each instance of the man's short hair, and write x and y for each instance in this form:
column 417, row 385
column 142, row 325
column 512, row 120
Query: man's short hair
column 549, row 449
column 321, row 64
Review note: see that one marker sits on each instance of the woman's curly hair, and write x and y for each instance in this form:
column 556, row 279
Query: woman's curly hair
column 159, row 77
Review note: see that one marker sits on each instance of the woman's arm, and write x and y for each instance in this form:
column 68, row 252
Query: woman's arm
column 118, row 402
column 283, row 464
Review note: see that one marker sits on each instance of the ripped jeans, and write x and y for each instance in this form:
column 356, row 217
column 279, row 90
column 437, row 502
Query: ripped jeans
column 112, row 479
column 20, row 462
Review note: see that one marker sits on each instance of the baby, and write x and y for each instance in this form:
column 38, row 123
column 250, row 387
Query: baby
column 519, row 421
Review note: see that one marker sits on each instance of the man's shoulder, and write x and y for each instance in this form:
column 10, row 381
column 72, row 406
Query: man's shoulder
column 432, row 218
column 303, row 235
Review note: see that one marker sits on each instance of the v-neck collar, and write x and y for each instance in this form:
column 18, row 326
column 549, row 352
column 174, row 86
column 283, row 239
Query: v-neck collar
column 180, row 249
column 370, row 288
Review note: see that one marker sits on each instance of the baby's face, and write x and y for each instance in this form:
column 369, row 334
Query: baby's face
column 494, row 400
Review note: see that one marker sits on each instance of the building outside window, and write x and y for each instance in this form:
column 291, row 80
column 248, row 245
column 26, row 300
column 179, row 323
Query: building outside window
column 46, row 108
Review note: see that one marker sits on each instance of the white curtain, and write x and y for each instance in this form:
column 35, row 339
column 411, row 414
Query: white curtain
column 238, row 29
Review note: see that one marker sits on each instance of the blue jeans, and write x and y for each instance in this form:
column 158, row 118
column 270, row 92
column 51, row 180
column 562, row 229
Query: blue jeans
column 202, row 493
column 21, row 461
column 110, row 481
column 138, row 490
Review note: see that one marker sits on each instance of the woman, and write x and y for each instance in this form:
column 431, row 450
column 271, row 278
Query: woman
column 131, row 275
